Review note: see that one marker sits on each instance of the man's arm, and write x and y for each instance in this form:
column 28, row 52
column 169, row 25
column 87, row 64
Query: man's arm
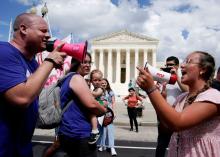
column 183, row 87
column 24, row 93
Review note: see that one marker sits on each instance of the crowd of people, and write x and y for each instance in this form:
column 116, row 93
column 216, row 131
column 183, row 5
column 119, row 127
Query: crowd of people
column 188, row 111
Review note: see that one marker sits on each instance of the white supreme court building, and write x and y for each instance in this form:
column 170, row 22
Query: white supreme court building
column 118, row 54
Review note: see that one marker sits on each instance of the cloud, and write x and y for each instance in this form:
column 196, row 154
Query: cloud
column 91, row 18
column 165, row 20
column 167, row 25
column 26, row 2
column 3, row 23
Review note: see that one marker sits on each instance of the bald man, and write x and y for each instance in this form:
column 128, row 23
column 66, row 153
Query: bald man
column 21, row 81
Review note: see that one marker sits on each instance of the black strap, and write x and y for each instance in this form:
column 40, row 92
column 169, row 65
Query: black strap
column 60, row 80
column 66, row 106
column 52, row 61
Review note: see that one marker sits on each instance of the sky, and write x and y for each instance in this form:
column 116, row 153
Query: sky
column 181, row 26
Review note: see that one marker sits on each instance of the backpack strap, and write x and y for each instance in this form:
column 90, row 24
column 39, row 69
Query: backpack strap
column 60, row 81
column 67, row 104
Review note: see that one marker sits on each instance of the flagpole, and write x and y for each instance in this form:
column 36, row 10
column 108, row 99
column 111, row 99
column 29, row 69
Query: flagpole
column 10, row 31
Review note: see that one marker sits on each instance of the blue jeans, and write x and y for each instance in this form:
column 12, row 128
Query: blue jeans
column 107, row 136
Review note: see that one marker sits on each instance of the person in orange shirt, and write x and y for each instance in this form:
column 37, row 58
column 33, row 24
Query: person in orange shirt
column 133, row 101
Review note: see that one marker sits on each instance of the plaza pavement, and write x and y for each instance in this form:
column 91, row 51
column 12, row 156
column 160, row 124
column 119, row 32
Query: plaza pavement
column 147, row 124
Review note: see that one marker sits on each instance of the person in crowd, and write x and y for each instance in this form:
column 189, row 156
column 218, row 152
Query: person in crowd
column 133, row 101
column 216, row 81
column 21, row 81
column 75, row 128
column 195, row 119
column 170, row 92
column 83, row 69
column 98, row 92
column 107, row 138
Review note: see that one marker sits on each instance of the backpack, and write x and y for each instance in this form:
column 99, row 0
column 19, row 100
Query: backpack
column 50, row 112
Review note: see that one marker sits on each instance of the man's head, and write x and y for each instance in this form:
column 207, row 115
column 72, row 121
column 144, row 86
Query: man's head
column 172, row 61
column 31, row 32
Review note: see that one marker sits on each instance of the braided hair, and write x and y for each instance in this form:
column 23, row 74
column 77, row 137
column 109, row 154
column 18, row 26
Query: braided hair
column 206, row 62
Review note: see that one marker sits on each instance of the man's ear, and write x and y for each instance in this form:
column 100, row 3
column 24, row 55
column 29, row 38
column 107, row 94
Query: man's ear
column 23, row 29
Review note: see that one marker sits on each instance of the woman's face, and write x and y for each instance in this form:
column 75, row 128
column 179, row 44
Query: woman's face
column 85, row 67
column 190, row 69
column 104, row 84
column 131, row 92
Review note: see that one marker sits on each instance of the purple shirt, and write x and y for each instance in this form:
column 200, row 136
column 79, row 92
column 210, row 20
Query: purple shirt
column 75, row 121
column 16, row 124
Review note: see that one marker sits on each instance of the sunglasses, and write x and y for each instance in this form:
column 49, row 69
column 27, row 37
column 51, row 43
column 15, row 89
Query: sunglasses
column 170, row 64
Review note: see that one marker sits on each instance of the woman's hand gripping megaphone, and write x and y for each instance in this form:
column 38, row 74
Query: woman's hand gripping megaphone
column 145, row 79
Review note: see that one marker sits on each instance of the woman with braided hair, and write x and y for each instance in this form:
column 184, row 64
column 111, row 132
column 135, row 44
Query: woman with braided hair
column 195, row 118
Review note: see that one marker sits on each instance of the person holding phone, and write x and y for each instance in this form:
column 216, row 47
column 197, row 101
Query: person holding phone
column 169, row 92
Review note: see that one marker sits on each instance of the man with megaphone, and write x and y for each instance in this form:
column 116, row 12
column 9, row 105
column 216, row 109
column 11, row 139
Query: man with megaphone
column 170, row 87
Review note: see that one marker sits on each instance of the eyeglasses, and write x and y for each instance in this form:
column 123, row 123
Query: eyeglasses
column 189, row 61
column 87, row 62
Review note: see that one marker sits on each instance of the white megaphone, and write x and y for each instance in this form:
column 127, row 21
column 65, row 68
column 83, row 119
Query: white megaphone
column 161, row 76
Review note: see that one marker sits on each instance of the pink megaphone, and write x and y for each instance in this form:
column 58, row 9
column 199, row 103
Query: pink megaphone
column 161, row 76
column 76, row 50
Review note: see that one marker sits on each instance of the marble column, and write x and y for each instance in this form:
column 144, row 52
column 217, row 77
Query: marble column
column 110, row 65
column 145, row 57
column 101, row 66
column 154, row 58
column 93, row 55
column 136, row 58
column 118, row 66
column 127, row 65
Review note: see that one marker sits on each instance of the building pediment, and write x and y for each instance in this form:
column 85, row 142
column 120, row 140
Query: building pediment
column 123, row 37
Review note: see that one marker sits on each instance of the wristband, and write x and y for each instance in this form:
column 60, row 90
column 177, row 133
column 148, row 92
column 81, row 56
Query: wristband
column 51, row 61
column 151, row 90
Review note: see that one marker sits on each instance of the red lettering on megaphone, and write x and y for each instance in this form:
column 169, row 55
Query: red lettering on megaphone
column 159, row 75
